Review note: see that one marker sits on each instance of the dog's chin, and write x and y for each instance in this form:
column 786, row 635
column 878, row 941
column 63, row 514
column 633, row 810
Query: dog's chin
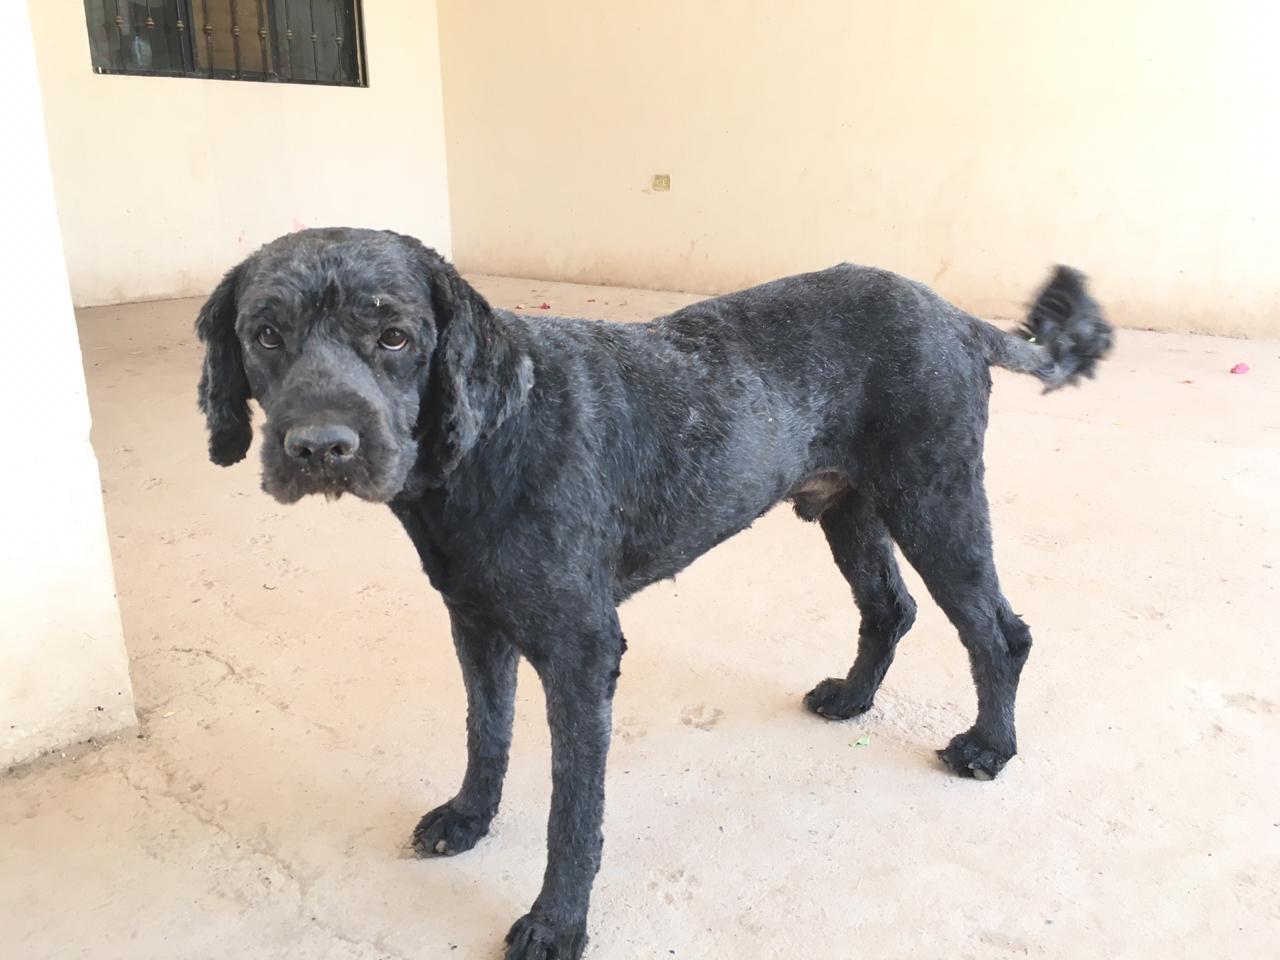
column 290, row 486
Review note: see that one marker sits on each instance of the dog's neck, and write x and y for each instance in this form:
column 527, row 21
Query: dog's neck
column 448, row 515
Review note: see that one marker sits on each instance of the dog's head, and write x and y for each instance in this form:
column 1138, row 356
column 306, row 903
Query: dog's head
column 376, row 365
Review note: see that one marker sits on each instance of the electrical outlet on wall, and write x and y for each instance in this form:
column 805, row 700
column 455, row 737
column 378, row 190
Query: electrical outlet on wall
column 661, row 181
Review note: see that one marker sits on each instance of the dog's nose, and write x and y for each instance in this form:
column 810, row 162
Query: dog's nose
column 330, row 443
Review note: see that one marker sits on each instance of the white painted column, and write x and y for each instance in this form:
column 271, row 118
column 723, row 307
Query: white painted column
column 63, row 670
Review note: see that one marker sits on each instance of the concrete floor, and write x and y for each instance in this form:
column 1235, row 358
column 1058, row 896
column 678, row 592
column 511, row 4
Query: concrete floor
column 301, row 707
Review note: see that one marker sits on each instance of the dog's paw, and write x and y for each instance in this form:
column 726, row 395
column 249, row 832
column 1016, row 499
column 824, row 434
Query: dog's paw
column 832, row 700
column 972, row 754
column 538, row 938
column 444, row 831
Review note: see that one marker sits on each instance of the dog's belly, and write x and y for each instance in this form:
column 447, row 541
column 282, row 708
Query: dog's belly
column 661, row 542
column 706, row 465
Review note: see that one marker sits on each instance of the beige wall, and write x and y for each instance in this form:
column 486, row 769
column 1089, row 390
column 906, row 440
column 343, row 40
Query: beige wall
column 965, row 144
column 63, row 671
column 164, row 183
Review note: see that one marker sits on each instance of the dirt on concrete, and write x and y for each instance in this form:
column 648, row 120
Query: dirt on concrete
column 301, row 707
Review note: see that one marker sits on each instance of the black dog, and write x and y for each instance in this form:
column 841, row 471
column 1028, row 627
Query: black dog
column 546, row 469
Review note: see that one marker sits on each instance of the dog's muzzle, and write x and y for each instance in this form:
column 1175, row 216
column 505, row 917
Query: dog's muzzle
column 339, row 451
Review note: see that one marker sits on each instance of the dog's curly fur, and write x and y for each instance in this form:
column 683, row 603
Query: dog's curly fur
column 546, row 469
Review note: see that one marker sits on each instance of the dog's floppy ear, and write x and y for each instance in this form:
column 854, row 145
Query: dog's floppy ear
column 479, row 375
column 224, row 388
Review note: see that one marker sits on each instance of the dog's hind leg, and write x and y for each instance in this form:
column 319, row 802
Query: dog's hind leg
column 488, row 663
column 944, row 530
column 863, row 551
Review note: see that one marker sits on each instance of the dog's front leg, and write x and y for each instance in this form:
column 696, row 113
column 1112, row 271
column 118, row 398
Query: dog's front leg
column 578, row 669
column 488, row 661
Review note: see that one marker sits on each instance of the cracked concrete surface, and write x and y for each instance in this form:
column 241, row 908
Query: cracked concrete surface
column 300, row 708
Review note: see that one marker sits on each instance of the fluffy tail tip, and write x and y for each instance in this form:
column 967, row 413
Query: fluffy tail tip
column 1068, row 324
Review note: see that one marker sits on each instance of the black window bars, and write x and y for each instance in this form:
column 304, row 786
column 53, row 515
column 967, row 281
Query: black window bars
column 282, row 41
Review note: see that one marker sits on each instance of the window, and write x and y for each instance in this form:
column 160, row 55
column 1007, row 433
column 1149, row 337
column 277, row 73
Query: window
column 290, row 41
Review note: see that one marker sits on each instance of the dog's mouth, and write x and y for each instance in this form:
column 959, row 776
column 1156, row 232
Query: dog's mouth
column 291, row 484
column 376, row 479
column 329, row 482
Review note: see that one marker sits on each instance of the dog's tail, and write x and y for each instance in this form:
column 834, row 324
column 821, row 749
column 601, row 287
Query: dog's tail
column 1063, row 338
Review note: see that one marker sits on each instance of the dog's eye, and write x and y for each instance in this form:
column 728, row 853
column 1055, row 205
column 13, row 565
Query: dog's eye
column 393, row 339
column 269, row 338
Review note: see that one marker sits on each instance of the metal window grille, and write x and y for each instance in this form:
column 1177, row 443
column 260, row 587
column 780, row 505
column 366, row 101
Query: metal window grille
column 283, row 41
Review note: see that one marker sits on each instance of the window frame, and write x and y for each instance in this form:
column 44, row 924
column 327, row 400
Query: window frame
column 190, row 38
